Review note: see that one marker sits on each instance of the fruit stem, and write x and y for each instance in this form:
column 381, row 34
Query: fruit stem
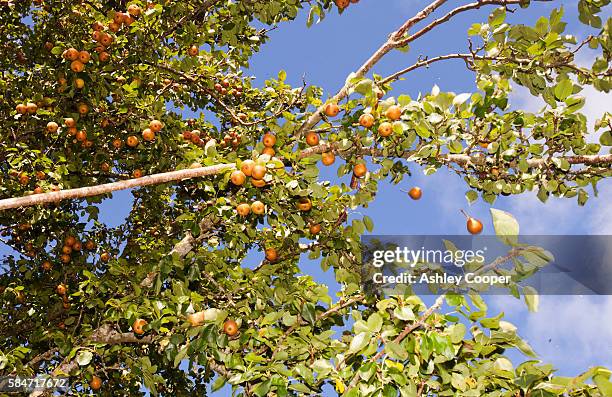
column 464, row 213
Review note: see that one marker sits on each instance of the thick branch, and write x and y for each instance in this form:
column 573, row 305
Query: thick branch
column 90, row 191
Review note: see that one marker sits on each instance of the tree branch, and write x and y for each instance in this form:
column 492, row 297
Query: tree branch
column 374, row 58
column 97, row 190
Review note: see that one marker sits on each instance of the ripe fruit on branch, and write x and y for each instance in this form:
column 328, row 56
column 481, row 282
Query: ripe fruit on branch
column 81, row 136
column 84, row 56
column 196, row 319
column 415, row 193
column 96, row 383
column 79, row 83
column 105, row 257
column 271, row 254
column 258, row 182
column 366, row 120
column 24, row 179
column 82, row 108
column 385, row 129
column 247, row 167
column 342, row 4
column 148, row 135
column 312, row 138
column 243, row 209
column 31, row 107
column 193, row 51
column 61, row 289
column 328, row 158
column 46, row 266
column 269, row 140
column 473, row 225
column 52, row 127
column 314, row 229
column 238, row 178
column 138, row 326
column 77, row 66
column 71, row 54
column 304, row 204
column 137, row 173
column 21, row 108
column 258, row 207
column 156, row 125
column 332, row 110
column 134, row 10
column 394, row 112
column 132, row 141
column 269, row 151
column 69, row 122
column 230, row 327
column 360, row 170
column 259, row 171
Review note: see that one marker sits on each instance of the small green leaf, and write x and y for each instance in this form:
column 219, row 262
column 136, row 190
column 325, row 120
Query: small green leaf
column 531, row 298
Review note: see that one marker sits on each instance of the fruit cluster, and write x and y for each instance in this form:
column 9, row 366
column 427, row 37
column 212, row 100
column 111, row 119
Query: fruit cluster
column 77, row 59
column 224, row 87
column 257, row 207
column 249, row 168
column 26, row 108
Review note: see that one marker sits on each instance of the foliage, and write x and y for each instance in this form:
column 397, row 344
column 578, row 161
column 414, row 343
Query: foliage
column 184, row 249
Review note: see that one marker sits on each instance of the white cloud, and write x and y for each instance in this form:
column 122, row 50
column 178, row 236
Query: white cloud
column 572, row 332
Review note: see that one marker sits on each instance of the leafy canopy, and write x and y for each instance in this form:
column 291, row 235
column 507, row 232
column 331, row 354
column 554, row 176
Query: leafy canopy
column 94, row 92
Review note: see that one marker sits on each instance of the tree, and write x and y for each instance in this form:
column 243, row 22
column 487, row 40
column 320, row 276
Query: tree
column 92, row 99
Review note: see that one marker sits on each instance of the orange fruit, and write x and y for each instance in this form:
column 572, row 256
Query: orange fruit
column 148, row 135
column 230, row 327
column 332, row 109
column 328, row 158
column 269, row 140
column 360, row 170
column 247, row 167
column 96, row 383
column 366, row 120
column 271, row 254
column 312, row 138
column 132, row 141
column 155, row 125
column 259, row 171
column 238, row 178
column 394, row 112
column 258, row 208
column 138, row 326
column 385, row 129
column 243, row 209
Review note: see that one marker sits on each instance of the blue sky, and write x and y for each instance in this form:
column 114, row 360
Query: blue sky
column 570, row 332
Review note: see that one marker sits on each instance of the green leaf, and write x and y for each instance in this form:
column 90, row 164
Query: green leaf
column 84, row 357
column 308, row 313
column 404, row 313
column 531, row 298
column 396, row 351
column 471, row 196
column 563, row 89
column 506, row 227
column 606, row 138
column 360, row 341
column 374, row 322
